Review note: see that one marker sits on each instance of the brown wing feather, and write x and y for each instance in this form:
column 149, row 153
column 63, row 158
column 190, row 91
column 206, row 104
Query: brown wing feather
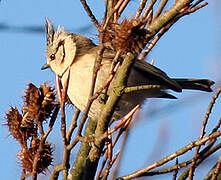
column 155, row 73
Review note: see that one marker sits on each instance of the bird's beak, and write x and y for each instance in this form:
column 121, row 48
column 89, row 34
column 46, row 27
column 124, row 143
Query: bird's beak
column 45, row 66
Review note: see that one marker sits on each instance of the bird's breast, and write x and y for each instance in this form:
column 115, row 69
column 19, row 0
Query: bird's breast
column 81, row 73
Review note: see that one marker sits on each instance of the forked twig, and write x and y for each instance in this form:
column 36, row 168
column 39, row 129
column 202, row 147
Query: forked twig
column 165, row 28
column 109, row 165
column 172, row 156
column 205, row 121
column 205, row 153
column 125, row 120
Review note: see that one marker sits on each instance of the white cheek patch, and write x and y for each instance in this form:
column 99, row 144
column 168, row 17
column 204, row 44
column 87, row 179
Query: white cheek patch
column 70, row 51
column 60, row 55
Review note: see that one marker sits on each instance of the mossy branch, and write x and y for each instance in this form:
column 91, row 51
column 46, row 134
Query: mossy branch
column 104, row 119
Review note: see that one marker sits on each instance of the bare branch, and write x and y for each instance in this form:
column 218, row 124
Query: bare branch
column 148, row 9
column 160, row 8
column 73, row 125
column 141, row 7
column 175, row 171
column 172, row 156
column 90, row 14
column 217, row 169
column 205, row 121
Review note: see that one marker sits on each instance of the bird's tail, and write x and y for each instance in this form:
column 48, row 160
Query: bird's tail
column 195, row 84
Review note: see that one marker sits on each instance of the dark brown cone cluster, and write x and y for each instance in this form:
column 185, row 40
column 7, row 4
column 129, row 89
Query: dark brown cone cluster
column 14, row 119
column 128, row 36
column 39, row 104
column 16, row 128
column 44, row 160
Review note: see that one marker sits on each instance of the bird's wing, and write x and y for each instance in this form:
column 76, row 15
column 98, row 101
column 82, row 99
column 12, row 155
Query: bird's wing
column 155, row 73
column 149, row 71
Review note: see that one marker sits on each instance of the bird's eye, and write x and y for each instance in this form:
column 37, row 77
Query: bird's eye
column 52, row 57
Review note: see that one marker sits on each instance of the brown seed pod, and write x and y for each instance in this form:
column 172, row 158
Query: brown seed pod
column 127, row 36
column 27, row 156
column 38, row 103
column 48, row 101
column 13, row 121
column 16, row 128
column 32, row 100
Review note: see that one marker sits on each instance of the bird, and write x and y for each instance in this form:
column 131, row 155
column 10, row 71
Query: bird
column 72, row 55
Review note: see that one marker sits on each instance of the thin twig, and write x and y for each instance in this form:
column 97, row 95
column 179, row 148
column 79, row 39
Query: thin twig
column 73, row 143
column 78, row 167
column 65, row 162
column 149, row 18
column 99, row 91
column 205, row 153
column 211, row 105
column 64, row 95
column 118, row 5
column 112, row 14
column 122, row 147
column 109, row 144
column 193, row 9
column 109, row 165
column 55, row 174
column 59, row 88
column 217, row 169
column 148, row 9
column 125, row 120
column 90, row 101
column 141, row 7
column 122, row 7
column 114, row 68
column 123, row 126
column 109, row 4
column 37, row 155
column 99, row 174
column 175, row 172
column 107, row 111
column 172, row 156
column 196, row 3
column 90, row 14
column 205, row 121
column 54, row 116
column 164, row 29
column 42, row 142
column 160, row 8
column 73, row 124
column 141, row 87
column 156, row 38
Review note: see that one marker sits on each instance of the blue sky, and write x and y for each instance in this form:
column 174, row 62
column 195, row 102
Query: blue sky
column 190, row 49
